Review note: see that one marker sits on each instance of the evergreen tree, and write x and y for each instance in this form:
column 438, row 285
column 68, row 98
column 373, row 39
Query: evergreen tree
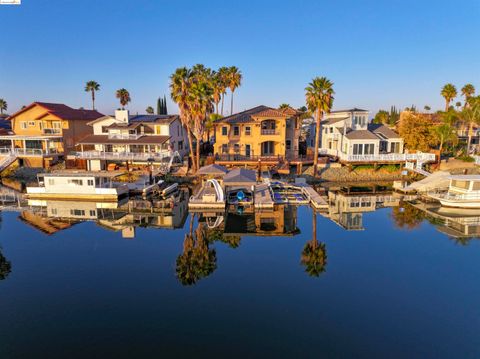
column 159, row 106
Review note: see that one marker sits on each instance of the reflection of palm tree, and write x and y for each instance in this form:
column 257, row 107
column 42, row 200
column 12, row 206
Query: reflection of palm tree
column 407, row 216
column 314, row 254
column 5, row 267
column 197, row 261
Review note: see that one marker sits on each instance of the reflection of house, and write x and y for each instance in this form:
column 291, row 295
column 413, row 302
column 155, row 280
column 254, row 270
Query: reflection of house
column 137, row 138
column 347, row 209
column 45, row 131
column 282, row 221
column 259, row 133
column 44, row 224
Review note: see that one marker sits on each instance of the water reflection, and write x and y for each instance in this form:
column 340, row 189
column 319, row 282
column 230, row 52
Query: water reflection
column 314, row 254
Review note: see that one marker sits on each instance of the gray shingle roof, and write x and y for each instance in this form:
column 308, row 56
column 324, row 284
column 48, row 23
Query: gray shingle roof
column 240, row 176
column 361, row 135
column 355, row 109
column 383, row 130
column 212, row 169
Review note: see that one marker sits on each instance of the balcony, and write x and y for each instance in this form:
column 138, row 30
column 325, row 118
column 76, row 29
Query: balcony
column 52, row 131
column 124, row 156
column 27, row 152
column 269, row 131
column 123, row 136
column 388, row 157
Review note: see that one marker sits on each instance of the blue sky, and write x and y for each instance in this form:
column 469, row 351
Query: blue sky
column 377, row 53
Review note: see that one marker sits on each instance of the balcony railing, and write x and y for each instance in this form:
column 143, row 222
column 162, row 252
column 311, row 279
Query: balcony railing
column 239, row 157
column 34, row 152
column 52, row 131
column 388, row 157
column 123, row 136
column 269, row 131
column 124, row 156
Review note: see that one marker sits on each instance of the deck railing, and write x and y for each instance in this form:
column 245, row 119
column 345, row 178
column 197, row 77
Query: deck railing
column 239, row 157
column 124, row 136
column 387, row 157
column 123, row 156
column 33, row 152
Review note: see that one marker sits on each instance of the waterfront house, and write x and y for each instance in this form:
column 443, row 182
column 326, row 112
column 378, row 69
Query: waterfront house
column 350, row 136
column 44, row 132
column 260, row 133
column 136, row 138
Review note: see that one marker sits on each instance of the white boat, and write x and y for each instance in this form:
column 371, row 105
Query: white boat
column 161, row 187
column 78, row 185
column 463, row 192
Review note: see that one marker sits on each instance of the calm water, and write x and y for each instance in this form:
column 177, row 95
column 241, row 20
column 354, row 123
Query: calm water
column 399, row 288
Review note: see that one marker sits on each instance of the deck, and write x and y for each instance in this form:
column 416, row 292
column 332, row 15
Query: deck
column 263, row 198
column 382, row 158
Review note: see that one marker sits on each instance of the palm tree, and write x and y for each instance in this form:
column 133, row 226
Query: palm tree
column 3, row 106
column 447, row 131
column 458, row 104
column 471, row 116
column 427, row 108
column 283, row 106
column 92, row 86
column 467, row 91
column 449, row 92
column 319, row 98
column 223, row 79
column 5, row 267
column 180, row 82
column 314, row 254
column 234, row 81
column 218, row 89
column 149, row 110
column 124, row 96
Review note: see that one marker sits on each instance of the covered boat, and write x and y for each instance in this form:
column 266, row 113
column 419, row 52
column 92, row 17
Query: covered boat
column 463, row 192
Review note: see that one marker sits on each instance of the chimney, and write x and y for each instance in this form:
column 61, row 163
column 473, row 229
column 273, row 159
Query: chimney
column 121, row 115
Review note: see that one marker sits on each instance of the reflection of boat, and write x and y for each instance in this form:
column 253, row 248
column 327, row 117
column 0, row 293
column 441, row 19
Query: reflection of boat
column 210, row 195
column 161, row 187
column 288, row 194
column 77, row 185
column 463, row 192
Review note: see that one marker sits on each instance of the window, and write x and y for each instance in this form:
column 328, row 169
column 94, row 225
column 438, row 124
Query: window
column 104, row 129
column 180, row 145
column 51, row 181
column 289, row 123
column 248, row 131
column 76, row 182
column 236, row 131
column 288, row 144
column 54, row 211
column 31, row 123
column 92, row 213
column 57, row 125
column 224, row 148
column 236, row 148
column 178, row 131
column 23, row 125
column 90, row 182
column 369, row 148
column 224, row 131
column 77, row 212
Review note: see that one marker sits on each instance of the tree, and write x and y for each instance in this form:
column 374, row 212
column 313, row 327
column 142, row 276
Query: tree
column 283, row 106
column 124, row 96
column 471, row 116
column 446, row 134
column 449, row 92
column 92, row 87
column 5, row 267
column 417, row 131
column 458, row 104
column 180, row 81
column 218, row 89
column 234, row 81
column 382, row 117
column 407, row 216
column 159, row 106
column 467, row 91
column 149, row 110
column 319, row 98
column 3, row 105
column 223, row 82
column 426, row 108
column 314, row 254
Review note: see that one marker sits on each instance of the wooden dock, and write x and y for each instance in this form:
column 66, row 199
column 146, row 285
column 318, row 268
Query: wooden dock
column 263, row 198
column 317, row 201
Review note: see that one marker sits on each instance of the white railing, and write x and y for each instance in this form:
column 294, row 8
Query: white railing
column 100, row 155
column 123, row 136
column 52, row 131
column 459, row 197
column 27, row 151
column 387, row 157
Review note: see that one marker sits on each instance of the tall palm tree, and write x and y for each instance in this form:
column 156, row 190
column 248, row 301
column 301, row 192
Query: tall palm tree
column 283, row 106
column 467, row 91
column 223, row 79
column 319, row 98
column 92, row 87
column 458, row 104
column 218, row 89
column 3, row 105
column 471, row 116
column 314, row 254
column 234, row 81
column 180, row 81
column 5, row 267
column 449, row 92
column 149, row 110
column 124, row 96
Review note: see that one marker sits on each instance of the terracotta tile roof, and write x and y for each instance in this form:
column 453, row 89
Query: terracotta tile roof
column 289, row 111
column 247, row 116
column 103, row 139
column 63, row 111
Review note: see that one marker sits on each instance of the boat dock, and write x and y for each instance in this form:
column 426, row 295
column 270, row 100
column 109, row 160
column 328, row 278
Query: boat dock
column 317, row 201
column 263, row 197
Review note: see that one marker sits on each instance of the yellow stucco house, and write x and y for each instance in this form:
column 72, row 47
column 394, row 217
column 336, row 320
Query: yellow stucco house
column 43, row 132
column 261, row 133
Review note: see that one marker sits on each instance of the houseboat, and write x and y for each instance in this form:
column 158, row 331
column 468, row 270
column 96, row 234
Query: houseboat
column 78, row 185
column 463, row 192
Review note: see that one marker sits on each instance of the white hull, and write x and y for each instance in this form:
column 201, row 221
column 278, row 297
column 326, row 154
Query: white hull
column 460, row 203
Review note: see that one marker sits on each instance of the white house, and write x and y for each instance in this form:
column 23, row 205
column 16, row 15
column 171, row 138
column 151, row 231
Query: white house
column 137, row 138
